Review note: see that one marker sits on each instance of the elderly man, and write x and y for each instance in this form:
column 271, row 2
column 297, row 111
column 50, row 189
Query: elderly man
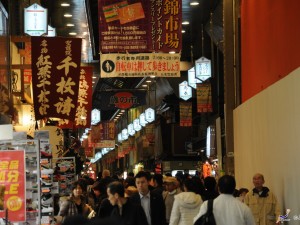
column 262, row 202
column 171, row 185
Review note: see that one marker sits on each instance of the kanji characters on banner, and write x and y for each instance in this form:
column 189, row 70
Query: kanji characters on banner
column 186, row 114
column 55, row 76
column 143, row 26
column 12, row 171
column 204, row 99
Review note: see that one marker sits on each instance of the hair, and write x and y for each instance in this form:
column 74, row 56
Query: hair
column 143, row 174
column 226, row 184
column 116, row 187
column 100, row 186
column 80, row 184
column 158, row 178
column 241, row 191
column 259, row 175
column 129, row 181
column 105, row 173
column 210, row 183
column 191, row 185
column 130, row 174
column 200, row 187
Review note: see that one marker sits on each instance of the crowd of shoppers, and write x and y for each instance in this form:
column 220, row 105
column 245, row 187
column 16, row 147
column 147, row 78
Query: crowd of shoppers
column 166, row 200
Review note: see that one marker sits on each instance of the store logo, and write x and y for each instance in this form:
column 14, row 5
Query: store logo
column 283, row 218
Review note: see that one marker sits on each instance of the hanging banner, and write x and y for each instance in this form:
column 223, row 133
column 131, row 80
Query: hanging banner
column 186, row 114
column 103, row 131
column 140, row 65
column 12, row 171
column 84, row 102
column 110, row 100
column 144, row 26
column 55, row 76
column 204, row 99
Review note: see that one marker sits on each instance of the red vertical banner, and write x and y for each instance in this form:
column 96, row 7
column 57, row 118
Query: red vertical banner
column 185, row 114
column 12, row 171
column 55, row 76
column 204, row 99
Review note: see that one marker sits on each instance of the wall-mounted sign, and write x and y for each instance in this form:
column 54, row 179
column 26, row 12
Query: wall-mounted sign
column 203, row 68
column 192, row 80
column 96, row 116
column 35, row 20
column 149, row 115
column 185, row 91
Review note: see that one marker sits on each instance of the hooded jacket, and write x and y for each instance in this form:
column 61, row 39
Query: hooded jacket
column 185, row 208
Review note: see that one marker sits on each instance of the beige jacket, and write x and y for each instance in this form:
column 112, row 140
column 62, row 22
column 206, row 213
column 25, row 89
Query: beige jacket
column 265, row 210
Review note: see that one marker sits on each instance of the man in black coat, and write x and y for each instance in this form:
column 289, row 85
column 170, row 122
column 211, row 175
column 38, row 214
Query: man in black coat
column 152, row 203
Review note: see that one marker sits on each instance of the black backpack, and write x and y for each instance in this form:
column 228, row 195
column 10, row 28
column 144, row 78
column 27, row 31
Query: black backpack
column 207, row 218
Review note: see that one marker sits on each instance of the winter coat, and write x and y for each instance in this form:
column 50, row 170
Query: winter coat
column 185, row 208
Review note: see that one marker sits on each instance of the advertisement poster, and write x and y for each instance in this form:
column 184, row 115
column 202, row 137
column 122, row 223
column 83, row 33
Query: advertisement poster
column 140, row 25
column 12, row 170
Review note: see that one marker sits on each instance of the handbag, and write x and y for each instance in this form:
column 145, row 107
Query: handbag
column 207, row 218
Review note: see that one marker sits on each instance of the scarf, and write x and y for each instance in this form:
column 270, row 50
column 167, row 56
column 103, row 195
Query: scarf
column 263, row 194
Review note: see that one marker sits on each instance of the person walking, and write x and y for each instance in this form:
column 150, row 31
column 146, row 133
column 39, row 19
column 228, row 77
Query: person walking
column 262, row 202
column 226, row 208
column 186, row 204
column 152, row 203
column 125, row 211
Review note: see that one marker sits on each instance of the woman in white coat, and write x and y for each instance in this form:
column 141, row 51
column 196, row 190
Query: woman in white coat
column 186, row 204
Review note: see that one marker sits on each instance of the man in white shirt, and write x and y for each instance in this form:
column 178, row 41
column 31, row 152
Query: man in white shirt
column 226, row 208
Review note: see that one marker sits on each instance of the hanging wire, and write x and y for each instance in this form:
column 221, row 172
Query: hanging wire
column 202, row 40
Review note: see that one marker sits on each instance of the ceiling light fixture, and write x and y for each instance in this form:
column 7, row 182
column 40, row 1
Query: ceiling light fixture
column 185, row 23
column 172, row 52
column 67, row 15
column 70, row 25
column 194, row 3
column 182, row 31
column 72, row 33
column 65, row 4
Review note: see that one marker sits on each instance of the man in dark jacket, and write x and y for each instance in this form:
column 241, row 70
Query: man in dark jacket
column 152, row 203
column 125, row 212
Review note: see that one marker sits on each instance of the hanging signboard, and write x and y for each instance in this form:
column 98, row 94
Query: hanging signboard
column 185, row 91
column 142, row 119
column 130, row 129
column 140, row 26
column 192, row 80
column 12, row 184
column 51, row 31
column 96, row 116
column 140, row 65
column 203, row 68
column 149, row 115
column 35, row 20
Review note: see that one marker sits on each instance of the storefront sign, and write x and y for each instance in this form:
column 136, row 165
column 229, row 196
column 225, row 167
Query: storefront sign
column 55, row 76
column 35, row 20
column 144, row 26
column 12, row 170
column 140, row 65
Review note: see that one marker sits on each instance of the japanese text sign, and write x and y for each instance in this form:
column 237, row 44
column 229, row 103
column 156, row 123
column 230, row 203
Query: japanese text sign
column 140, row 65
column 55, row 76
column 144, row 26
column 12, row 177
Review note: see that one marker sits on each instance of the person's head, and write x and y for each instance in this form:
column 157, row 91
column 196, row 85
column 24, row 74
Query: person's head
column 226, row 184
column 142, row 182
column 99, row 188
column 115, row 191
column 130, row 191
column 170, row 183
column 129, row 181
column 157, row 180
column 130, row 174
column 242, row 192
column 190, row 184
column 78, row 189
column 105, row 173
column 258, row 181
column 210, row 183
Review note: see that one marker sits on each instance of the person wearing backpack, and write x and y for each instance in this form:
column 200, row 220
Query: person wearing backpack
column 226, row 208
